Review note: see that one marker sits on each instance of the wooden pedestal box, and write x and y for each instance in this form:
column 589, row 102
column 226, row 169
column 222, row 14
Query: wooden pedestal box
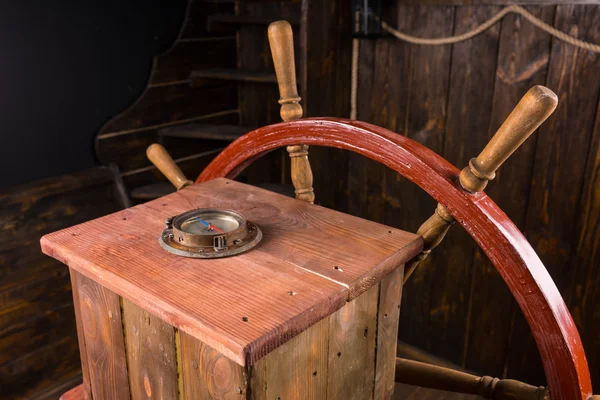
column 311, row 312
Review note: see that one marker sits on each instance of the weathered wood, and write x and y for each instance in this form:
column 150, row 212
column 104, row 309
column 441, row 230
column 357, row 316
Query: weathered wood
column 208, row 374
column 560, row 162
column 427, row 91
column 388, row 314
column 103, row 337
column 128, row 150
column 161, row 104
column 352, row 341
column 38, row 340
column 151, row 360
column 329, row 48
column 206, row 131
column 85, row 366
column 298, row 369
column 523, row 56
column 199, row 76
column 468, row 113
column 258, row 102
column 501, row 241
column 361, row 253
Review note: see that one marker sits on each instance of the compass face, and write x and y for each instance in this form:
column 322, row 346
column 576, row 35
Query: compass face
column 210, row 223
column 209, row 233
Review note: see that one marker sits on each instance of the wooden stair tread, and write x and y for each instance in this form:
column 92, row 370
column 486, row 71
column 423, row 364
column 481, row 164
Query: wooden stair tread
column 232, row 74
column 245, row 20
column 206, row 131
column 152, row 191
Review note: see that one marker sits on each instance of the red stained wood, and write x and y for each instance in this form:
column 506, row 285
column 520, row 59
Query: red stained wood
column 557, row 338
column 302, row 245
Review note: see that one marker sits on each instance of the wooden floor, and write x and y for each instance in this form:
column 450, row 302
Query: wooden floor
column 406, row 392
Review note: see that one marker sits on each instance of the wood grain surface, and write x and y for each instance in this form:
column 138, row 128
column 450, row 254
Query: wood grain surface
column 208, row 374
column 555, row 333
column 260, row 313
column 388, row 314
column 151, row 360
column 103, row 337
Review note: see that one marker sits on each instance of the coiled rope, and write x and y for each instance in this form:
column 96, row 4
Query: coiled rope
column 462, row 37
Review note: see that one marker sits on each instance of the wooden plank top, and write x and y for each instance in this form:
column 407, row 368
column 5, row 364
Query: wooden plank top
column 310, row 262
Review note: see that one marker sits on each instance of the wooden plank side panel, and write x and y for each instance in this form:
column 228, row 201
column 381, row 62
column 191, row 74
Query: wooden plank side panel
column 298, row 369
column 151, row 360
column 388, row 314
column 104, row 345
column 562, row 150
column 469, row 112
column 208, row 374
column 352, row 342
column 85, row 368
column 523, row 56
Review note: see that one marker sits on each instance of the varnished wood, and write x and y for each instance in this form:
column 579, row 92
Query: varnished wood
column 103, row 337
column 282, row 49
column 158, row 155
column 503, row 243
column 359, row 255
column 436, row 377
column 150, row 346
column 352, row 341
column 388, row 314
column 533, row 109
column 208, row 374
column 433, row 232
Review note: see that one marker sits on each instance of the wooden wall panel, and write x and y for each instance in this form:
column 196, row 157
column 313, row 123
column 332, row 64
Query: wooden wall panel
column 562, row 150
column 523, row 56
column 468, row 111
column 427, row 96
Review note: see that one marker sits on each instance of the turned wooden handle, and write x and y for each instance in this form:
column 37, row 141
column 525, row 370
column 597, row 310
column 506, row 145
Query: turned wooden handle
column 533, row 109
column 161, row 159
column 281, row 41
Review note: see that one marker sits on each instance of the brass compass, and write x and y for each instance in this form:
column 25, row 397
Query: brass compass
column 209, row 233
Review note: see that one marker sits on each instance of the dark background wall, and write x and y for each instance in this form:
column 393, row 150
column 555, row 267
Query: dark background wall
column 66, row 68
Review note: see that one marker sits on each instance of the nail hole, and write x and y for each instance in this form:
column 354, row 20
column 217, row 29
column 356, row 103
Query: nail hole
column 338, row 269
column 389, row 231
column 124, row 219
column 291, row 293
column 366, row 332
column 165, row 204
column 315, row 373
column 339, row 354
column 384, row 315
column 245, row 319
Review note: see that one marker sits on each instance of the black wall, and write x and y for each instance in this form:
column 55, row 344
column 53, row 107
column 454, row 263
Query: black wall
column 67, row 67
